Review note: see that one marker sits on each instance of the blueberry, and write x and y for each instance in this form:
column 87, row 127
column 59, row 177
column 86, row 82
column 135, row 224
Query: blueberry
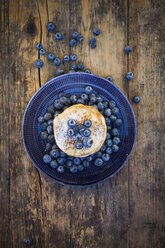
column 82, row 158
column 95, row 106
column 87, row 71
column 79, row 128
column 48, row 147
column 87, row 141
column 71, row 71
column 65, row 107
column 66, row 58
column 73, row 99
column 96, row 31
column 93, row 99
column 27, row 241
column 61, row 161
column 51, row 109
column 108, row 136
column 99, row 154
column 115, row 110
column 109, row 128
column 72, row 43
column 74, row 35
column 113, row 117
column 57, row 62
column 99, row 99
column 63, row 100
column 84, row 96
column 115, row 132
column 116, row 141
column 70, row 132
column 79, row 145
column 79, row 38
column 44, row 135
column 73, row 169
column 105, row 157
column 80, row 101
column 50, row 122
column 62, row 154
column 42, row 51
column 51, row 26
column 98, row 162
column 118, row 122
column 80, row 66
column 59, row 72
column 73, row 67
column 107, row 121
column 136, row 99
column 102, row 112
column 47, row 116
column 87, row 123
column 55, row 153
column 39, row 63
column 71, row 123
column 87, row 132
column 115, row 148
column 69, row 163
column 128, row 49
column 112, row 104
column 58, row 36
column 70, row 157
column 76, row 161
column 51, row 56
column 109, row 150
column 129, row 75
column 57, row 113
column 100, row 105
column 80, row 167
column 51, row 138
column 49, row 129
column 93, row 45
column 44, row 126
column 107, row 112
column 38, row 46
column 86, row 163
column 54, row 147
column 89, row 158
column 73, row 57
column 103, row 148
column 88, row 90
column 40, row 119
column 54, row 164
column 61, row 94
column 78, row 136
column 109, row 78
column 58, row 104
column 60, row 169
column 105, row 103
column 92, row 40
column 68, row 102
column 47, row 159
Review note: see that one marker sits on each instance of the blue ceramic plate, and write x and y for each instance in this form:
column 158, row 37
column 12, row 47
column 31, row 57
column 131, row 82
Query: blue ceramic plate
column 75, row 83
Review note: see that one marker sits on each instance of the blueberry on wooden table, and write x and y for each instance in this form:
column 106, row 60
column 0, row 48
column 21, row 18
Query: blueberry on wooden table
column 57, row 62
column 129, row 75
column 75, row 35
column 128, row 49
column 87, row 71
column 27, row 241
column 109, row 78
column 66, row 58
column 92, row 40
column 79, row 38
column 72, row 43
column 42, row 51
column 59, row 72
column 73, row 57
column 80, row 66
column 73, row 67
column 39, row 63
column 96, row 31
column 51, row 56
column 58, row 36
column 93, row 45
column 38, row 46
column 51, row 26
column 136, row 99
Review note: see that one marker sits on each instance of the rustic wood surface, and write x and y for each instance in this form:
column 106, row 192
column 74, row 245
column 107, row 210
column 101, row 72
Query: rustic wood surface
column 126, row 210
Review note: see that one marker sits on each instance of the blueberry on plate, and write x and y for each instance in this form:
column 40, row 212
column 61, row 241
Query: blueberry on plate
column 129, row 75
column 54, row 164
column 98, row 162
column 79, row 38
column 62, row 154
column 50, row 122
column 88, row 90
column 47, row 116
column 59, row 72
column 116, row 141
column 70, row 132
column 115, row 132
column 55, row 153
column 89, row 158
column 71, row 71
column 84, row 96
column 118, row 122
column 43, row 135
column 71, row 123
column 54, row 147
column 79, row 145
column 87, row 141
column 58, row 105
column 27, row 241
column 70, row 157
column 82, row 158
column 99, row 154
column 87, row 132
column 136, row 99
column 61, row 161
column 48, row 147
column 49, row 129
column 80, row 101
column 63, row 100
column 105, row 157
column 76, row 161
column 92, row 99
column 128, row 49
column 112, row 104
column 113, row 117
column 51, row 56
column 47, row 159
column 80, row 66
column 87, row 71
column 103, row 148
column 99, row 99
column 38, row 46
column 57, row 62
column 107, row 112
column 109, row 78
column 72, row 43
column 115, row 110
column 60, row 169
column 51, row 139
column 93, row 45
column 73, row 67
column 100, row 105
column 109, row 150
column 51, row 26
column 69, row 163
column 51, row 109
column 40, row 119
column 105, row 103
column 44, row 126
column 42, row 51
column 73, row 169
column 95, row 106
column 87, row 123
column 115, row 148
column 108, row 121
column 108, row 136
column 39, row 63
column 73, row 57
column 80, row 167
column 73, row 99
column 58, row 36
column 96, row 31
column 74, row 35
column 86, row 163
column 92, row 40
column 66, row 58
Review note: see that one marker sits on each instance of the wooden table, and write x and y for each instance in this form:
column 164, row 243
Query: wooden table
column 126, row 210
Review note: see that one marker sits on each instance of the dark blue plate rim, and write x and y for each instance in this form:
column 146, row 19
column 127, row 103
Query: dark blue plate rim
column 70, row 184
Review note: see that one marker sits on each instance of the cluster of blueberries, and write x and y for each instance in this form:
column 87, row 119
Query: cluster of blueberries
column 60, row 161
column 81, row 133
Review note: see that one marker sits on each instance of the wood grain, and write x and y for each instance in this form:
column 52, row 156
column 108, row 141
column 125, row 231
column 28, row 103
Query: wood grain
column 128, row 209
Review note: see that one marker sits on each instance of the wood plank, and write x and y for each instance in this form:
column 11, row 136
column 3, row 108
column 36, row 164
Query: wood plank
column 146, row 173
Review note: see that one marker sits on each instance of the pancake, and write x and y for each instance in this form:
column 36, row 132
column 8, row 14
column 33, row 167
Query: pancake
column 80, row 113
